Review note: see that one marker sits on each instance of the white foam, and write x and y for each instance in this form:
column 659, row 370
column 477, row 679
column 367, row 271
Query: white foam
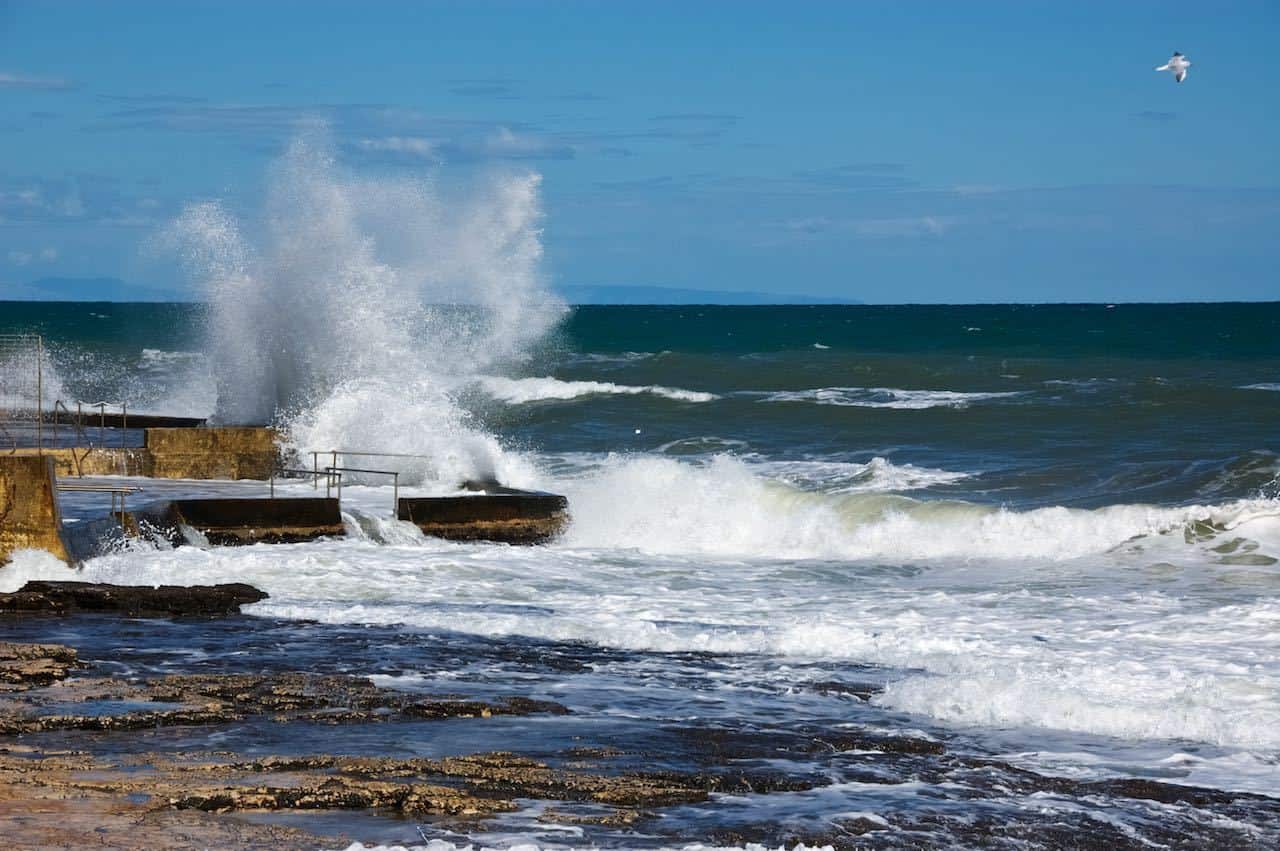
column 662, row 505
column 879, row 475
column 521, row 390
column 1263, row 386
column 442, row 845
column 1100, row 643
column 885, row 397
column 27, row 565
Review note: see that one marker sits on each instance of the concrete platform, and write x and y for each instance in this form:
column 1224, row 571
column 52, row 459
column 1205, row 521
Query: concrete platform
column 503, row 515
column 234, row 522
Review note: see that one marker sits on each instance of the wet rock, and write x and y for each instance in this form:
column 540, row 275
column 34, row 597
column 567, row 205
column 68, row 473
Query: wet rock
column 862, row 691
column 63, row 598
column 25, row 665
column 222, row 698
column 343, row 793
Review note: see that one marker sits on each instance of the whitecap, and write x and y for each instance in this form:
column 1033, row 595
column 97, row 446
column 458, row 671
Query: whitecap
column 518, row 391
column 885, row 397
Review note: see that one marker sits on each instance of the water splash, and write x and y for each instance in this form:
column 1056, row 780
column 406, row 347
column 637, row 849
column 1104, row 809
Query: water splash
column 365, row 303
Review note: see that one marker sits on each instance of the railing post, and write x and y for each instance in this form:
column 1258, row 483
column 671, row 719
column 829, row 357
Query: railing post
column 40, row 395
column 395, row 494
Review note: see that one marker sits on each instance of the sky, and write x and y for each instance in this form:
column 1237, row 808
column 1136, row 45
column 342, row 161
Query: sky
column 886, row 152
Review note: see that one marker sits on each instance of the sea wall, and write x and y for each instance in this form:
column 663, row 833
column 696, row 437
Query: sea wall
column 175, row 453
column 211, row 453
column 29, row 517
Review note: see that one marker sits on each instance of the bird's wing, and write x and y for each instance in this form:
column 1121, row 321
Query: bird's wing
column 1164, row 67
column 1181, row 75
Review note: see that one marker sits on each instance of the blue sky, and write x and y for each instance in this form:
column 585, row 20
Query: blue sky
column 889, row 152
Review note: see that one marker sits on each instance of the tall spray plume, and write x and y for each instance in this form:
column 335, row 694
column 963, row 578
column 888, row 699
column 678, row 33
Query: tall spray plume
column 359, row 305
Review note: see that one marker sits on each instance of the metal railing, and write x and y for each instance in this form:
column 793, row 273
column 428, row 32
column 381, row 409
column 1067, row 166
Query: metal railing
column 119, row 493
column 102, row 418
column 332, row 478
column 22, row 384
column 395, row 482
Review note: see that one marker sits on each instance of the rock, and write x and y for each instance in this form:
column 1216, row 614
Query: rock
column 195, row 699
column 25, row 665
column 62, row 598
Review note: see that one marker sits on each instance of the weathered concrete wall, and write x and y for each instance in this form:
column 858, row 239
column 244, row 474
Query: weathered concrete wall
column 29, row 515
column 176, row 453
column 509, row 516
column 95, row 462
column 231, row 522
column 211, row 453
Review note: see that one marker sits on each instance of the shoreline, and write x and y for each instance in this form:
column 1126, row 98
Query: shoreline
column 93, row 752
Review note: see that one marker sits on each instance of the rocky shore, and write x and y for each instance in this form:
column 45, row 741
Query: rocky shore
column 67, row 798
column 190, row 754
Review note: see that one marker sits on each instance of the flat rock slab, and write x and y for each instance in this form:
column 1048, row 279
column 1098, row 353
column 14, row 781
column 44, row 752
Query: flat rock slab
column 24, row 666
column 64, row 598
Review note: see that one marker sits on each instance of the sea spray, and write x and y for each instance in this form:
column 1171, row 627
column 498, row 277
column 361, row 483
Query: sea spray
column 365, row 303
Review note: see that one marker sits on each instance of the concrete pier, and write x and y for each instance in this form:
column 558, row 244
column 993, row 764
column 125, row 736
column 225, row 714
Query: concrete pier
column 232, row 522
column 29, row 517
column 503, row 515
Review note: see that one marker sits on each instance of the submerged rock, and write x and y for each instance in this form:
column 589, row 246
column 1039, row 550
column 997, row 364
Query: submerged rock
column 64, row 598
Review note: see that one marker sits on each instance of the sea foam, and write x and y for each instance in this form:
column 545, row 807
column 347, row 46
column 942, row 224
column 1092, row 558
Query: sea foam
column 521, row 390
column 885, row 397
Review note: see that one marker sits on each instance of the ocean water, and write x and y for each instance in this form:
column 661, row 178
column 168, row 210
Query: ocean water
column 1044, row 538
column 1045, row 534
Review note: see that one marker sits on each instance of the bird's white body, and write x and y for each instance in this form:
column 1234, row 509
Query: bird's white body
column 1177, row 65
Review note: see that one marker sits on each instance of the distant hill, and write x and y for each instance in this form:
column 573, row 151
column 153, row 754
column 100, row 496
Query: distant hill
column 86, row 289
column 586, row 294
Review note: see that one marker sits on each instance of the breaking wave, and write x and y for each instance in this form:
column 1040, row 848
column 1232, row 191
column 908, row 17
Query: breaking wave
column 665, row 506
column 521, row 390
column 885, row 397
column 365, row 303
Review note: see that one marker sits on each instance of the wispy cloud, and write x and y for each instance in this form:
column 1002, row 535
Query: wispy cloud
column 9, row 80
column 153, row 99
column 73, row 199
column 501, row 144
column 1155, row 115
column 19, row 257
column 488, row 89
column 913, row 227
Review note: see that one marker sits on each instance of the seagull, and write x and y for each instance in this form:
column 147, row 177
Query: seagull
column 1178, row 64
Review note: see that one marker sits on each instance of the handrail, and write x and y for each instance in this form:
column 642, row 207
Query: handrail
column 102, row 420
column 330, row 478
column 395, row 482
column 118, row 493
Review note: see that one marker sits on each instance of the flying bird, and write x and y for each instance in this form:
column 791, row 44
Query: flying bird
column 1177, row 65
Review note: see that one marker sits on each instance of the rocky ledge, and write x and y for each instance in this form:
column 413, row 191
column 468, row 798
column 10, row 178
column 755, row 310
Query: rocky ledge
column 23, row 666
column 65, row 598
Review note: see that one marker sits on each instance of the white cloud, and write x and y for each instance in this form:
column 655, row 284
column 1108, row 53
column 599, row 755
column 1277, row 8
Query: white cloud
column 409, row 147
column 24, row 81
column 19, row 258
column 48, row 255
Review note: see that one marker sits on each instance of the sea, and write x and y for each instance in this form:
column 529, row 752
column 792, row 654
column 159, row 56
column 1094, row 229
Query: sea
column 1044, row 537
column 962, row 576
